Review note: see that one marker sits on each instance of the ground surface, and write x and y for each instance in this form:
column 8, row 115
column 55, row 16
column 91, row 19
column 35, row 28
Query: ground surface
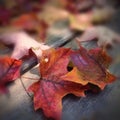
column 18, row 105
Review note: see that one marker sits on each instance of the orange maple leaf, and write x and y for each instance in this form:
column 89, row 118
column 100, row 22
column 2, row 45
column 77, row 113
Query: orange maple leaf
column 57, row 80
column 49, row 91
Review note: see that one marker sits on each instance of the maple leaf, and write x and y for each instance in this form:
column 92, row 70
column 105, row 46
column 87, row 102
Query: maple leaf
column 50, row 89
column 85, row 20
column 9, row 71
column 90, row 67
column 104, row 36
column 30, row 22
column 22, row 42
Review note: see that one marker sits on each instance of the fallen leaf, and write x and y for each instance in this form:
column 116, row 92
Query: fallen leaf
column 27, row 21
column 50, row 89
column 85, row 20
column 22, row 42
column 30, row 22
column 80, row 21
column 51, row 14
column 9, row 71
column 104, row 36
column 90, row 67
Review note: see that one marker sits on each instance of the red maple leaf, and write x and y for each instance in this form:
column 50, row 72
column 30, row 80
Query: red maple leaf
column 31, row 23
column 9, row 71
column 57, row 81
column 51, row 88
column 90, row 67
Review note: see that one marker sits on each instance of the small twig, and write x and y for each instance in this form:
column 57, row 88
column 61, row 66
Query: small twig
column 25, row 88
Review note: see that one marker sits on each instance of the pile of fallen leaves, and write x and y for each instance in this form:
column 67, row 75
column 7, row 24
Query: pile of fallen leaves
column 63, row 71
column 38, row 16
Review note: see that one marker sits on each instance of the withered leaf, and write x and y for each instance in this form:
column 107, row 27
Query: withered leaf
column 104, row 36
column 51, row 88
column 22, row 42
column 30, row 22
column 9, row 71
column 90, row 67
